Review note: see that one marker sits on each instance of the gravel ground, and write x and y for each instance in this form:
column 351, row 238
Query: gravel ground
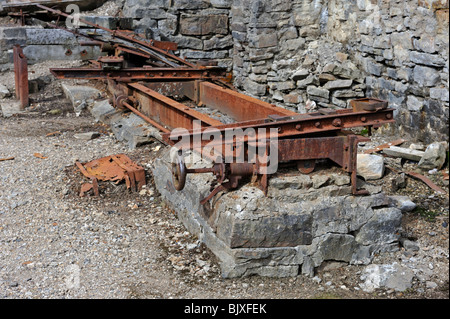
column 55, row 244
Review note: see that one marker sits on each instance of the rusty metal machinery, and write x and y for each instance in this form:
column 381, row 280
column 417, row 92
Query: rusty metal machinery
column 143, row 75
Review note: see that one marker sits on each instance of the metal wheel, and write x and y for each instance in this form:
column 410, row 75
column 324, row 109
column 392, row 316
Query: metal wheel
column 179, row 173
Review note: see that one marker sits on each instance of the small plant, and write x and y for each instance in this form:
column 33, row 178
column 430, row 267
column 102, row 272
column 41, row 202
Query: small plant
column 428, row 215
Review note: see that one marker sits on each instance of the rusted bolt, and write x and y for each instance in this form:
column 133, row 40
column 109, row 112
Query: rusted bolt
column 280, row 130
column 317, row 124
column 298, row 127
column 389, row 116
column 337, row 122
column 174, row 73
column 363, row 119
column 68, row 52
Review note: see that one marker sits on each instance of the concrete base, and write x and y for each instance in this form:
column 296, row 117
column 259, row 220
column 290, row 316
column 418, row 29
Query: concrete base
column 304, row 221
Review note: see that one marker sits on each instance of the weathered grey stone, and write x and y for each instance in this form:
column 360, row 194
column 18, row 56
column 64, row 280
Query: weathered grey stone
column 403, row 203
column 433, row 157
column 300, row 74
column 218, row 43
column 338, row 84
column 392, row 276
column 320, row 92
column 308, row 226
column 264, row 40
column 338, row 247
column 409, row 244
column 413, row 103
column 39, row 53
column 79, row 95
column 4, row 92
column 441, row 94
column 203, row 25
column 425, row 76
column 221, row 3
column 407, row 153
column 382, row 228
column 426, row 59
column 254, row 88
column 87, row 136
column 11, row 108
column 370, row 166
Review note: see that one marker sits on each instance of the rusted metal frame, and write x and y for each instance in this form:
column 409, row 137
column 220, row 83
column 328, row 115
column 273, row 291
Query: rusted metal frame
column 122, row 35
column 167, row 112
column 21, row 76
column 136, row 74
column 294, row 126
column 239, row 106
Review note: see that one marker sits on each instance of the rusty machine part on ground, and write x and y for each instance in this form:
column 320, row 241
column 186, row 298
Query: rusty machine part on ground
column 142, row 74
column 114, row 168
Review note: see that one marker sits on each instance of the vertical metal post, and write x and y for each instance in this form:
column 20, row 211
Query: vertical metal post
column 21, row 76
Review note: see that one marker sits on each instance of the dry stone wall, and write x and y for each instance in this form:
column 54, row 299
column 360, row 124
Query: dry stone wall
column 305, row 54
column 200, row 27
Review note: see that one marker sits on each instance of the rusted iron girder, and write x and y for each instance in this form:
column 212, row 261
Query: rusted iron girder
column 21, row 76
column 139, row 74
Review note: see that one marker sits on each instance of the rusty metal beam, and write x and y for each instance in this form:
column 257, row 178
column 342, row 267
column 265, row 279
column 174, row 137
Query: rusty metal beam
column 137, row 74
column 300, row 125
column 239, row 106
column 167, row 112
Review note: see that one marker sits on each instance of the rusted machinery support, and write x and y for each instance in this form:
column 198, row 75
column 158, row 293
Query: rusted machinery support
column 21, row 76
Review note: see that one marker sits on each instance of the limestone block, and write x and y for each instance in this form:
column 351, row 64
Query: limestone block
column 439, row 94
column 203, row 25
column 426, row 59
column 383, row 227
column 425, row 76
column 402, row 152
column 338, row 84
column 433, row 157
column 370, row 166
column 320, row 92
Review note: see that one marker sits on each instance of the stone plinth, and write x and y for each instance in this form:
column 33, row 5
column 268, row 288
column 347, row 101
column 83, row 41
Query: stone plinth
column 304, row 221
